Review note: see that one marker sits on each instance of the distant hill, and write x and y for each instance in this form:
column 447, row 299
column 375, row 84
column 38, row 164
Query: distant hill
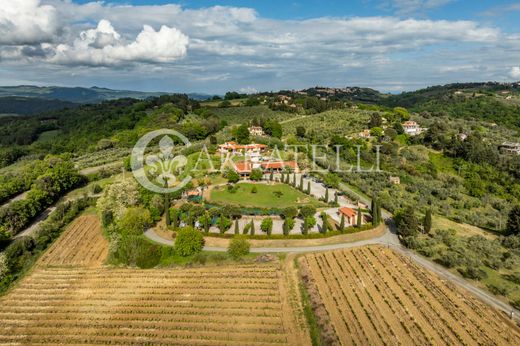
column 16, row 105
column 491, row 101
column 81, row 95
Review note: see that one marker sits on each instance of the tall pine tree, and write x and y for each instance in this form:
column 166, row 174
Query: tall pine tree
column 427, row 222
column 359, row 217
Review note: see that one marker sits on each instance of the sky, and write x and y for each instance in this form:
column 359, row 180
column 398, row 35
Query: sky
column 249, row 46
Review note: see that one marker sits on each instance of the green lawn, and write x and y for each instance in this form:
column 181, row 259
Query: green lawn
column 265, row 197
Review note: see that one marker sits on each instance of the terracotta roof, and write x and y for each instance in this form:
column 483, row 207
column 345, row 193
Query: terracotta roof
column 347, row 211
column 235, row 146
column 243, row 167
column 193, row 193
column 279, row 165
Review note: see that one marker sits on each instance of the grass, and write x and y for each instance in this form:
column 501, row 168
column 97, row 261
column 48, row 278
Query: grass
column 462, row 229
column 267, row 196
column 442, row 163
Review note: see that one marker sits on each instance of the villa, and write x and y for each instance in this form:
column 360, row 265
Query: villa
column 364, row 134
column 278, row 166
column 395, row 180
column 412, row 128
column 510, row 148
column 232, row 146
column 256, row 131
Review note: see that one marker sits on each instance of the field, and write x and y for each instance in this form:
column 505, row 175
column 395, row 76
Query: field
column 70, row 298
column 265, row 197
column 81, row 244
column 373, row 296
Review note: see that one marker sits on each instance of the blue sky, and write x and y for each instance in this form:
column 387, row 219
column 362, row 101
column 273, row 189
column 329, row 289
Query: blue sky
column 215, row 46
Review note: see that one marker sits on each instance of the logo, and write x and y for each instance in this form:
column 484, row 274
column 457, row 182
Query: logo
column 158, row 169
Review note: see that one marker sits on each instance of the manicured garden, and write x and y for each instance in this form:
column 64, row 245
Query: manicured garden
column 262, row 196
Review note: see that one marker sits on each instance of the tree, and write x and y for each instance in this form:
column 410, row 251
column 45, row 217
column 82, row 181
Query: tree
column 359, row 217
column 174, row 215
column 282, row 177
column 288, row 225
column 206, row 222
column 342, row 224
column 289, row 212
column 267, row 225
column 308, row 187
column 188, row 242
column 374, row 205
column 256, row 174
column 375, row 120
column 252, row 228
column 231, row 176
column 238, row 247
column 294, row 180
column 273, row 128
column 513, row 221
column 376, row 132
column 241, row 134
column 325, row 224
column 301, row 183
column 407, row 224
column 223, row 224
column 427, row 222
column 300, row 131
column 336, row 197
column 308, row 223
column 134, row 221
column 271, row 175
column 402, row 113
column 307, row 210
column 167, row 208
column 237, row 230
column 326, row 198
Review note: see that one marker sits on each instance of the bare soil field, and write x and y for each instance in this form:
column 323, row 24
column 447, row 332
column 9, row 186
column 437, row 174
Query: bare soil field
column 374, row 296
column 81, row 244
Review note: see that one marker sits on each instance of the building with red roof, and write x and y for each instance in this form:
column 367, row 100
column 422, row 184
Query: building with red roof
column 350, row 215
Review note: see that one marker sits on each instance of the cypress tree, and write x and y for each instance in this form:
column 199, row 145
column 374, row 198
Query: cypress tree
column 287, row 178
column 271, row 176
column 378, row 209
column 336, row 197
column 325, row 226
column 252, row 228
column 294, row 179
column 206, row 223
column 342, row 224
column 326, row 198
column 237, row 231
column 359, row 217
column 427, row 223
column 373, row 210
column 175, row 219
column 308, row 187
column 301, row 182
column 167, row 208
column 282, row 177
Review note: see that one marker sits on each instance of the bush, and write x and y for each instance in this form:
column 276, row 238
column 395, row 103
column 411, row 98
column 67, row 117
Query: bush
column 450, row 259
column 200, row 258
column 497, row 289
column 254, row 189
column 135, row 221
column 96, row 189
column 238, row 247
column 267, row 225
column 473, row 273
column 188, row 242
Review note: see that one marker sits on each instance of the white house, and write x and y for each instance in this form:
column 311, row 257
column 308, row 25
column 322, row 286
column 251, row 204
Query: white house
column 412, row 128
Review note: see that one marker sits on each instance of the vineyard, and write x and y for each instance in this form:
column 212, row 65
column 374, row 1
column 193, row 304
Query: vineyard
column 81, row 244
column 240, row 305
column 373, row 296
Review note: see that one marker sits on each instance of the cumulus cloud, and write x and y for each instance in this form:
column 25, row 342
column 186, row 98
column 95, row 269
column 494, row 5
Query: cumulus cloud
column 27, row 22
column 515, row 72
column 104, row 46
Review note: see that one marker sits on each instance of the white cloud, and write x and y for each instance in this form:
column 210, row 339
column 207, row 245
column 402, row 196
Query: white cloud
column 515, row 72
column 26, row 22
column 407, row 7
column 104, row 46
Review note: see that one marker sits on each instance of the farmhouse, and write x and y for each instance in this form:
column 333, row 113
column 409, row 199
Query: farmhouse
column 364, row 134
column 256, row 131
column 412, row 128
column 232, row 146
column 395, row 180
column 510, row 148
column 350, row 215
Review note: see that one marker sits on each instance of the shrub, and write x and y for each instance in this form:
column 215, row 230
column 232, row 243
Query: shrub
column 497, row 289
column 473, row 273
column 200, row 258
column 254, row 189
column 188, row 242
column 256, row 174
column 96, row 189
column 450, row 259
column 134, row 221
column 267, row 225
column 238, row 247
